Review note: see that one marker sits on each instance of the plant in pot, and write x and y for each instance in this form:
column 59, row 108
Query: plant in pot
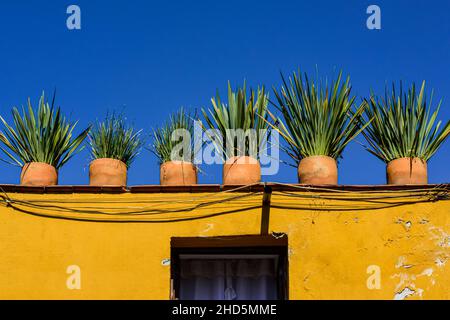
column 113, row 146
column 40, row 143
column 238, row 130
column 173, row 146
column 317, row 121
column 404, row 133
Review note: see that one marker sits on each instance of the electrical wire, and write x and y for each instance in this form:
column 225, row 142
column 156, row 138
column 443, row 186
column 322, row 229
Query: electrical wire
column 438, row 188
column 366, row 199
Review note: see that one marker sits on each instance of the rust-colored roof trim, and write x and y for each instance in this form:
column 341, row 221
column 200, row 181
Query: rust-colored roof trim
column 207, row 188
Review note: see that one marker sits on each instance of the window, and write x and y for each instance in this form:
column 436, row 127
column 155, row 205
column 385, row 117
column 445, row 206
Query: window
column 229, row 268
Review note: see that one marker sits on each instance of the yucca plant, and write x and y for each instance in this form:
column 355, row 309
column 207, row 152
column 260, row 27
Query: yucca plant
column 317, row 119
column 113, row 139
column 43, row 137
column 403, row 125
column 164, row 142
column 241, row 112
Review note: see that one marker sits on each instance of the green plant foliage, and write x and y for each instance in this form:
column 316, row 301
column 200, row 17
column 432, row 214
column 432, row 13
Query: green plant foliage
column 166, row 138
column 113, row 139
column 241, row 112
column 403, row 125
column 45, row 137
column 316, row 119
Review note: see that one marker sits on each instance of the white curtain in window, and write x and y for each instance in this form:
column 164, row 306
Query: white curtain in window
column 228, row 279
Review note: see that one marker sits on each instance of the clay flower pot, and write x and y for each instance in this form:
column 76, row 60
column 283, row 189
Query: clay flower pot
column 107, row 172
column 318, row 170
column 38, row 174
column 178, row 173
column 241, row 171
column 407, row 171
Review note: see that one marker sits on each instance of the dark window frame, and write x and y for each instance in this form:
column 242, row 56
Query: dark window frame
column 246, row 245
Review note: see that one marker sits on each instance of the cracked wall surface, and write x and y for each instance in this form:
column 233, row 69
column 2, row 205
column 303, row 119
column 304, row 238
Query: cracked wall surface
column 333, row 239
column 331, row 251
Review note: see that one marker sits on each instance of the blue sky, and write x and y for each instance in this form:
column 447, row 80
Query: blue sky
column 148, row 58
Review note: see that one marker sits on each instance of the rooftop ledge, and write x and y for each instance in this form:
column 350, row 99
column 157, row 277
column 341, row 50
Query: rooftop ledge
column 205, row 188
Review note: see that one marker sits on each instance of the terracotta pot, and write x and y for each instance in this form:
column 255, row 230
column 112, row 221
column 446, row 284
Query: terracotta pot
column 107, row 172
column 38, row 174
column 241, row 171
column 178, row 173
column 407, row 171
column 318, row 170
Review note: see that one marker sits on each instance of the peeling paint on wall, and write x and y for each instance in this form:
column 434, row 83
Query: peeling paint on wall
column 404, row 294
column 401, row 263
column 209, row 227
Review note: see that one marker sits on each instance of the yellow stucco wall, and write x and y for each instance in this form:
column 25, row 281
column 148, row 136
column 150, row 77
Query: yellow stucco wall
column 333, row 239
